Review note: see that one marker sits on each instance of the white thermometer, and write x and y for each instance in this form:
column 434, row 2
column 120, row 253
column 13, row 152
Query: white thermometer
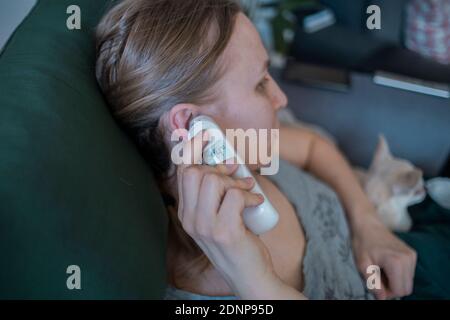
column 258, row 219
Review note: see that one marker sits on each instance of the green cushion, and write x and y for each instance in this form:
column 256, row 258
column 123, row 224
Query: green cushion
column 74, row 189
column 430, row 237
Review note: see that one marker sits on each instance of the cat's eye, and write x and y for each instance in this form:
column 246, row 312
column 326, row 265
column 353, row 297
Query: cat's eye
column 406, row 181
column 410, row 178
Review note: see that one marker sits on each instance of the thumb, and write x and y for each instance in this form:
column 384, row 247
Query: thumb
column 383, row 292
column 380, row 294
column 380, row 289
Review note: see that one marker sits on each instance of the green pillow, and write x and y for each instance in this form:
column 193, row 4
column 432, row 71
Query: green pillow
column 74, row 190
column 430, row 237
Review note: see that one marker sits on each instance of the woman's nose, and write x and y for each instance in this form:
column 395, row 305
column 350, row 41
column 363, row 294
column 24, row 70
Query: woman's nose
column 278, row 97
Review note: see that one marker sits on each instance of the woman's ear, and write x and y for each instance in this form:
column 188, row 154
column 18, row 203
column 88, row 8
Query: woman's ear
column 181, row 114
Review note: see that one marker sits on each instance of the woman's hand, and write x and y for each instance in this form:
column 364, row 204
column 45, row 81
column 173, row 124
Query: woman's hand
column 374, row 244
column 210, row 209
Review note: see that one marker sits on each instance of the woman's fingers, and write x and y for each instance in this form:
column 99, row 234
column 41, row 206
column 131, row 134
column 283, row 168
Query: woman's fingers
column 192, row 153
column 202, row 189
column 396, row 277
column 213, row 188
column 190, row 179
column 233, row 204
column 206, row 192
column 189, row 152
column 412, row 271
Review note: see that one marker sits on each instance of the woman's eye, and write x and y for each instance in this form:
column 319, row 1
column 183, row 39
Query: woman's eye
column 262, row 85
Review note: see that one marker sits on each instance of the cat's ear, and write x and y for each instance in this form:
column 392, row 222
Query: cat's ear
column 382, row 152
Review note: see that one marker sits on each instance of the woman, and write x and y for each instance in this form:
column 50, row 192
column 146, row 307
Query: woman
column 162, row 62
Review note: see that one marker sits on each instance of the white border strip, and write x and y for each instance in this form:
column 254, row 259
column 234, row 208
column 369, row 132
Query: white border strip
column 411, row 84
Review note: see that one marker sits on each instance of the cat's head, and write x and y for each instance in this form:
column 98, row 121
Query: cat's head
column 393, row 181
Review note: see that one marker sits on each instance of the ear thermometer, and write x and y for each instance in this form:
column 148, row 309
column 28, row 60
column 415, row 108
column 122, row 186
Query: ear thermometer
column 259, row 219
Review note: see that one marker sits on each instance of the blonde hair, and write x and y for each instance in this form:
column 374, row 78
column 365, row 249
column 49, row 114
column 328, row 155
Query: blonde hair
column 151, row 56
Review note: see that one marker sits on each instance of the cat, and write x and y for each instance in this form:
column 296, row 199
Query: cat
column 392, row 184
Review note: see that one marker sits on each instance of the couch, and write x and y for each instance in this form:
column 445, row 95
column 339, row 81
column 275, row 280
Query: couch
column 74, row 190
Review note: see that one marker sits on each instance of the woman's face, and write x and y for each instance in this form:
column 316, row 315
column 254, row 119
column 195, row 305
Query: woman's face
column 248, row 96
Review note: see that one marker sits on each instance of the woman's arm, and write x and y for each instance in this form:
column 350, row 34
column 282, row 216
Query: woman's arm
column 315, row 154
column 373, row 243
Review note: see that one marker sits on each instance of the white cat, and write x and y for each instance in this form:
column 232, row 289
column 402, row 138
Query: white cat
column 392, row 185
